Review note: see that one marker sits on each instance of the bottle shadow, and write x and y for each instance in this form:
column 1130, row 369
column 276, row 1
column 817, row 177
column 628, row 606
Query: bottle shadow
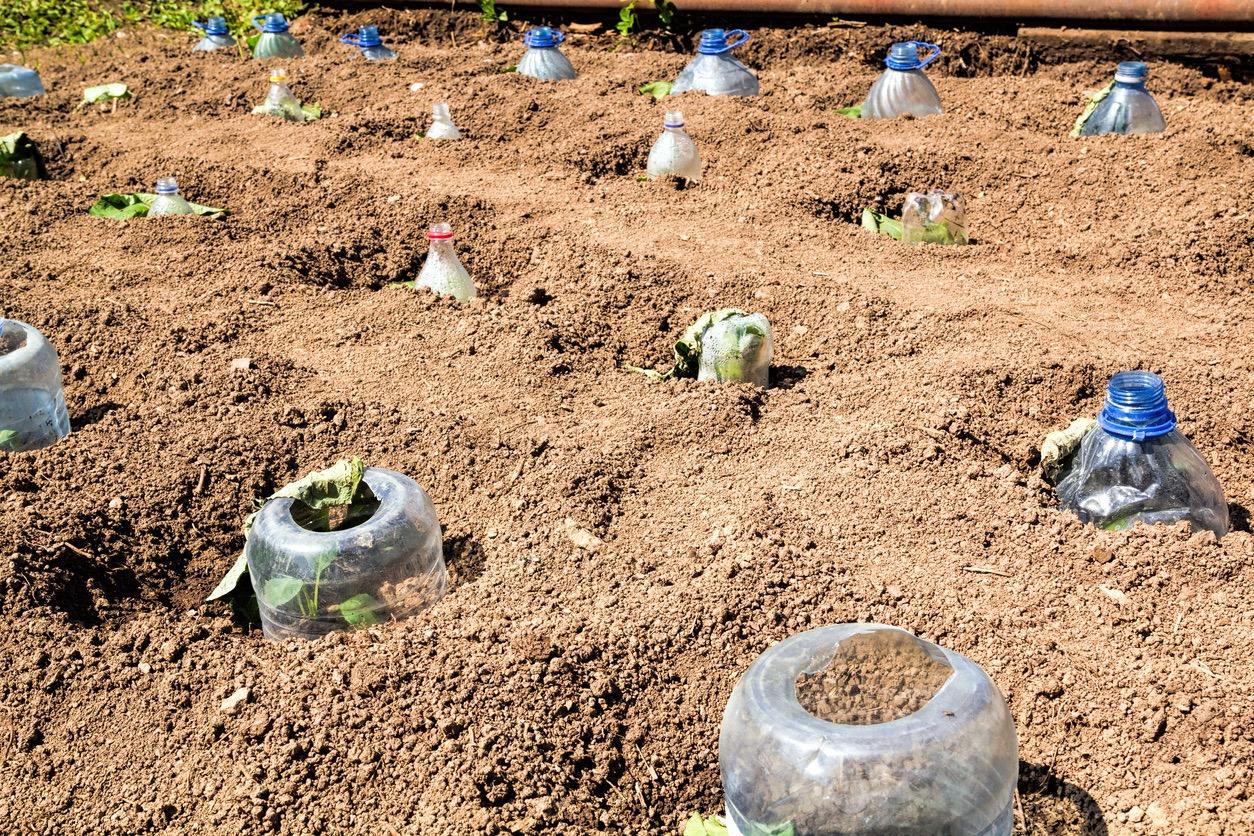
column 464, row 557
column 1239, row 517
column 1050, row 804
column 90, row 416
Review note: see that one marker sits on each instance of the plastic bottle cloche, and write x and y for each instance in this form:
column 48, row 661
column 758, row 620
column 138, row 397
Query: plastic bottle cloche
column 1128, row 108
column 32, row 402
column 715, row 70
column 903, row 89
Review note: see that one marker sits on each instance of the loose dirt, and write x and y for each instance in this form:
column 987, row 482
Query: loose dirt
column 621, row 549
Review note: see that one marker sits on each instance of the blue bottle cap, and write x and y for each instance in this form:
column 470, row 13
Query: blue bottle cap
column 543, row 37
column 272, row 23
column 368, row 36
column 214, row 26
column 1131, row 72
column 1136, row 407
column 718, row 41
column 905, row 55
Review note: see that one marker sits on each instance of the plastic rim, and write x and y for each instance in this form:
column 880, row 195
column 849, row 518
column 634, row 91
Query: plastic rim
column 905, row 55
column 1136, row 407
column 718, row 41
column 167, row 185
column 1131, row 72
column 440, row 232
column 272, row 23
column 543, row 37
column 673, row 119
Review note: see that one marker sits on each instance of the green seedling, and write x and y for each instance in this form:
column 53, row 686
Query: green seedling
column 312, row 111
column 491, row 14
column 20, row 158
column 666, row 12
column 657, row 89
column 687, row 350
column 102, row 93
column 123, row 207
column 359, row 611
column 512, row 68
column 941, row 232
column 1091, row 105
column 8, row 440
column 852, row 112
column 627, row 21
column 699, row 825
column 882, row 224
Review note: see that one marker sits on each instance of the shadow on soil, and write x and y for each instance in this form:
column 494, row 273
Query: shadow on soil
column 1052, row 805
column 466, row 558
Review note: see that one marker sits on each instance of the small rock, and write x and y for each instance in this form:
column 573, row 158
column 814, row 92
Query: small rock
column 144, row 667
column 895, row 592
column 394, row 198
column 416, row 86
column 581, row 537
column 116, row 503
column 1114, row 595
column 1136, row 814
column 241, row 364
column 1157, row 815
column 232, row 703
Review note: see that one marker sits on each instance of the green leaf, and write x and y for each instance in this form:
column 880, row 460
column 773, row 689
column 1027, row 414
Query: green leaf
column 665, row 14
column 853, row 111
column 699, row 825
column 105, row 93
column 279, row 590
column 311, row 111
column 657, row 89
column 490, row 13
column 360, row 610
column 512, row 68
column 20, row 158
column 687, row 348
column 626, row 20
column 231, row 579
column 1090, row 106
column 252, row 41
column 122, row 207
column 322, row 561
column 882, row 224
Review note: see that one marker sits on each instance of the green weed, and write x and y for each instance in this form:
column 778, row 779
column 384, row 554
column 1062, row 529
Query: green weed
column 627, row 21
column 491, row 14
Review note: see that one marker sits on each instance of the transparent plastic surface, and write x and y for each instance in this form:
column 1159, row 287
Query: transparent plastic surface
column 1128, row 108
column 934, row 217
column 543, row 59
column 443, row 271
column 275, row 41
column 866, row 729
column 1135, row 466
column 32, row 403
column 280, row 101
column 367, row 40
column 216, row 35
column 442, row 126
column 715, row 70
column 169, row 201
column 389, row 566
column 19, row 82
column 738, row 349
column 903, row 88
column 674, row 154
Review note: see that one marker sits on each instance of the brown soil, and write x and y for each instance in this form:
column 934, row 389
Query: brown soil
column 621, row 549
column 873, row 678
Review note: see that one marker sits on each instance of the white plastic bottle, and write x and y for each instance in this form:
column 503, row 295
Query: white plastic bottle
column 674, row 154
column 443, row 271
column 169, row 201
column 442, row 126
column 903, row 88
column 280, row 101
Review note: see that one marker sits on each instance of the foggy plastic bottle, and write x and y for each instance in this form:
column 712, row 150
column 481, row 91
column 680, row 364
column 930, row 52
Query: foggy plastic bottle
column 866, row 730
column 275, row 40
column 934, row 217
column 280, row 101
column 1127, row 108
column 32, row 403
column 674, row 154
column 169, row 201
column 904, row 88
column 714, row 70
column 1135, row 466
column 443, row 271
column 216, row 35
column 738, row 349
column 19, row 82
column 442, row 126
column 371, row 45
column 543, row 60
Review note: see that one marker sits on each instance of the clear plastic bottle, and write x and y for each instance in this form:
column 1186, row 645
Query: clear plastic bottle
column 280, row 101
column 371, row 45
column 674, row 154
column 1127, row 108
column 19, row 82
column 1135, row 466
column 904, row 89
column 169, row 201
column 217, row 36
column 32, row 403
column 714, row 70
column 864, row 730
column 387, row 566
column 275, row 40
column 443, row 271
column 543, row 60
column 442, row 126
column 934, row 217
column 737, row 350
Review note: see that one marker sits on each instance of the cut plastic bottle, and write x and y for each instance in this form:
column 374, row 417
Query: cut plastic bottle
column 169, row 201
column 864, row 730
column 1128, row 108
column 1135, row 466
column 443, row 271
column 714, row 70
column 385, row 567
column 904, row 89
column 32, row 403
column 275, row 40
column 442, row 126
column 934, row 217
column 280, row 101
column 543, row 59
column 19, row 82
column 217, row 36
column 738, row 350
column 674, row 154
column 371, row 45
